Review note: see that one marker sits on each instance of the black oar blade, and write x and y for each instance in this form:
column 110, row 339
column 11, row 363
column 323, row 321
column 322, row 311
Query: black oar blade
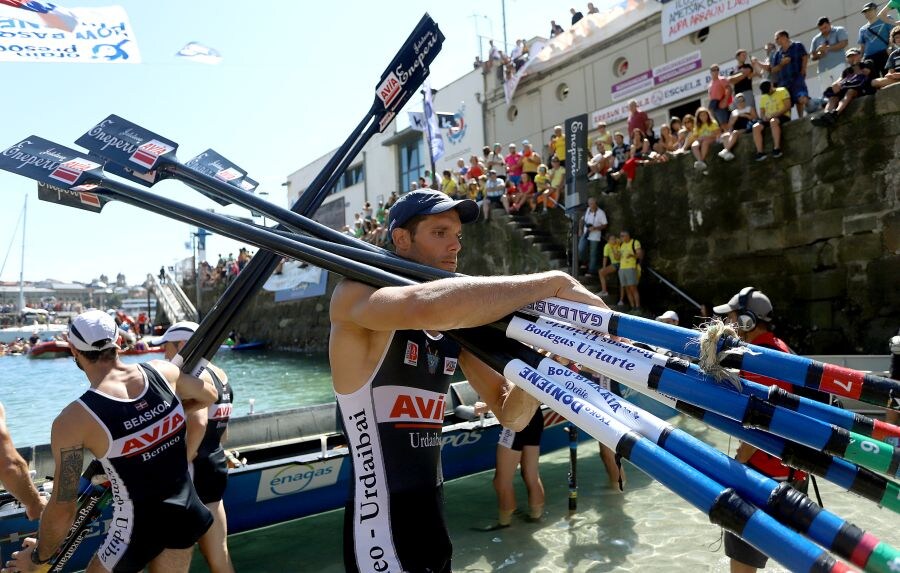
column 249, row 185
column 406, row 72
column 69, row 198
column 214, row 164
column 128, row 144
column 47, row 162
column 147, row 179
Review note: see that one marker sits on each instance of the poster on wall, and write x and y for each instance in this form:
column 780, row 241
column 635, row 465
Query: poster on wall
column 683, row 17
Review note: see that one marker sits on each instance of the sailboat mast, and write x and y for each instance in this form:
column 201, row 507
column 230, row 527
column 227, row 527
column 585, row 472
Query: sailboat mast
column 22, row 266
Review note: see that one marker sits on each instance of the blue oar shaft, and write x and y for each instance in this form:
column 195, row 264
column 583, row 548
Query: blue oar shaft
column 793, row 508
column 676, row 378
column 791, row 368
column 721, row 504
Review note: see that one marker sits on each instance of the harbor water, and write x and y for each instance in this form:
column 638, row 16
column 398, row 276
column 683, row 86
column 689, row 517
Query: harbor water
column 647, row 528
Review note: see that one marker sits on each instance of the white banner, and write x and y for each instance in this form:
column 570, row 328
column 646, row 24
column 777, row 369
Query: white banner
column 432, row 132
column 102, row 36
column 661, row 96
column 292, row 274
column 683, row 17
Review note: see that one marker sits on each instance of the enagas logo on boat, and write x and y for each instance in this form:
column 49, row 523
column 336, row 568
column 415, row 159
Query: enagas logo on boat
column 296, row 478
column 229, row 174
column 71, row 170
column 389, row 89
column 148, row 153
column 409, row 407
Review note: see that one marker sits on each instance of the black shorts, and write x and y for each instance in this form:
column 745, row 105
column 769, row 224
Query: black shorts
column 418, row 533
column 211, row 476
column 529, row 436
column 140, row 533
column 741, row 551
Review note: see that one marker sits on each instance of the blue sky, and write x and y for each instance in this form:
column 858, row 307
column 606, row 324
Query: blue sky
column 296, row 77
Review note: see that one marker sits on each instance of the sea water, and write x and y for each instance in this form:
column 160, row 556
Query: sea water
column 34, row 391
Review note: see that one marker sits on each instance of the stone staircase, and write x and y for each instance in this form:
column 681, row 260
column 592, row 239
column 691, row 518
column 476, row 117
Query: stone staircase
column 549, row 233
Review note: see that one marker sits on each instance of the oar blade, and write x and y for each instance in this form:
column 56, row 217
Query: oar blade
column 71, row 198
column 406, row 72
column 47, row 162
column 128, row 144
column 213, row 164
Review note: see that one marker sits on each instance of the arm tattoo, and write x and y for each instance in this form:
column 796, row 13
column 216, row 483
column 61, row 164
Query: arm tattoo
column 70, row 463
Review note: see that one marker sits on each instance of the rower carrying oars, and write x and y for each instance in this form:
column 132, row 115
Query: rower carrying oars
column 288, row 247
column 736, row 500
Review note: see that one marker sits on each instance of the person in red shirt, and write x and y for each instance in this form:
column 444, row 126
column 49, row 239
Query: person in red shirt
column 750, row 311
column 720, row 93
column 637, row 119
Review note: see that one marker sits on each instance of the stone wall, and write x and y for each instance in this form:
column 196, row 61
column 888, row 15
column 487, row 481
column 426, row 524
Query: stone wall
column 817, row 230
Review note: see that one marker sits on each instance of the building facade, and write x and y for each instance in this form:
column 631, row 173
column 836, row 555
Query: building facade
column 655, row 53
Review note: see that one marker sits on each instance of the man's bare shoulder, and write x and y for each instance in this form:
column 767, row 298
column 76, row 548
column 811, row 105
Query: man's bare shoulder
column 347, row 294
column 218, row 372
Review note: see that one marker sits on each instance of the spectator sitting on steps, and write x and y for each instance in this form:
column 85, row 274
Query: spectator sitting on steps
column 856, row 80
column 775, row 111
column 743, row 118
column 892, row 67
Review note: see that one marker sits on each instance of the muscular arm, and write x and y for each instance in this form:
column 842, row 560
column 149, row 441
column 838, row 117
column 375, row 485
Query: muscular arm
column 67, row 444
column 448, row 304
column 512, row 405
column 14, row 473
column 196, row 429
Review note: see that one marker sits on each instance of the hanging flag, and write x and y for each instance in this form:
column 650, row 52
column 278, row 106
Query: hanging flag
column 436, row 141
column 199, row 53
column 50, row 15
column 509, row 87
column 100, row 36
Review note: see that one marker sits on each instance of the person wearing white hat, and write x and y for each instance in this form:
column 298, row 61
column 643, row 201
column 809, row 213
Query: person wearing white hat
column 132, row 419
column 206, row 430
column 669, row 317
column 750, row 311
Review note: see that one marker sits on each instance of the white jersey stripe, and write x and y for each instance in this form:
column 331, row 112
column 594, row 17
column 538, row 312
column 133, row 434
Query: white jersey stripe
column 373, row 538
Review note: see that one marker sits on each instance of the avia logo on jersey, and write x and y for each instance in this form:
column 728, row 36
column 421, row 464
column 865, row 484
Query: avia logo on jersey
column 220, row 411
column 389, row 89
column 150, row 437
column 408, row 407
column 450, row 365
column 412, row 354
column 148, row 153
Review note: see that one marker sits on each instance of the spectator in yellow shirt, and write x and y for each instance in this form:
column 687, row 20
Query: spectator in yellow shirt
column 706, row 132
column 448, row 184
column 630, row 256
column 610, row 265
column 558, row 144
column 774, row 111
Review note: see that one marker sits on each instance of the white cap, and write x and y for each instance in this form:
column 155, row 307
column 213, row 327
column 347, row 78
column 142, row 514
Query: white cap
column 176, row 333
column 670, row 315
column 92, row 331
column 756, row 302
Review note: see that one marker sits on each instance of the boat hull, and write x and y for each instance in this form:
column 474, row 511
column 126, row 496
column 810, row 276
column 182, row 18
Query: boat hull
column 50, row 349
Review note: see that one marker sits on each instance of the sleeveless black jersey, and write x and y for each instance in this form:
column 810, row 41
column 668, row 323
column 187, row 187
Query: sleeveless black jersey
column 218, row 415
column 147, row 456
column 393, row 425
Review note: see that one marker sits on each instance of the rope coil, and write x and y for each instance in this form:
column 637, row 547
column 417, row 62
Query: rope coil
column 710, row 360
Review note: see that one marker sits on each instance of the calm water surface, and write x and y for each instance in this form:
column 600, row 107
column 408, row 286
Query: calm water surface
column 34, row 391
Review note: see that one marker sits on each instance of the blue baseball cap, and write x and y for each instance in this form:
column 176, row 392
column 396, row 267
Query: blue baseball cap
column 429, row 202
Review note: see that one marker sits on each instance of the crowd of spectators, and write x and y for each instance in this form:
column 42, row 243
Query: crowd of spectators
column 50, row 305
column 225, row 271
column 733, row 109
